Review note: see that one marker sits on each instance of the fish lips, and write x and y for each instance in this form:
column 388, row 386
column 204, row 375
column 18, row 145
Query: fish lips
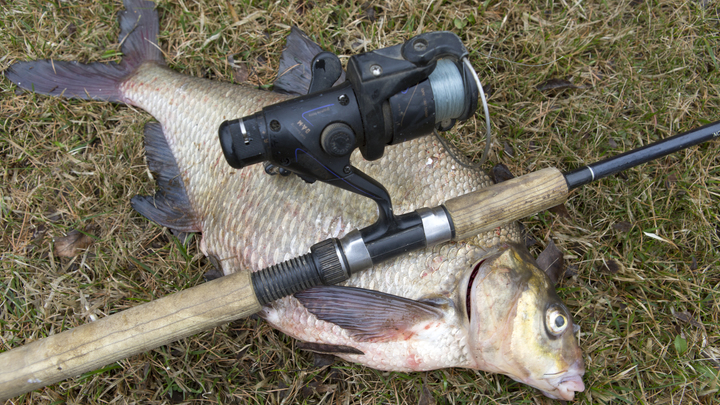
column 567, row 382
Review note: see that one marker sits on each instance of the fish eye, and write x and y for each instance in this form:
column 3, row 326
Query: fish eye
column 556, row 321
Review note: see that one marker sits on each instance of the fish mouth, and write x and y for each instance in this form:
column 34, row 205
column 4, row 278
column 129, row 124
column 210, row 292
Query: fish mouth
column 566, row 388
column 567, row 382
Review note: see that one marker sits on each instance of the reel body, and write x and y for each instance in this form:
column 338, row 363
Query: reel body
column 391, row 95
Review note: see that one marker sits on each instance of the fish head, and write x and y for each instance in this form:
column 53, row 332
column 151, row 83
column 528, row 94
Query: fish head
column 519, row 326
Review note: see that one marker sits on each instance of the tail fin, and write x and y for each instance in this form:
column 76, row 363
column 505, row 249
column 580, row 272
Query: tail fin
column 138, row 36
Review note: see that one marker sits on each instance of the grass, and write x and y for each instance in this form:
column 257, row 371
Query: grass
column 647, row 306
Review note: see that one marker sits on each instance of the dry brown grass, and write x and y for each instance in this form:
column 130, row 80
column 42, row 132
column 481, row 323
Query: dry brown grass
column 648, row 308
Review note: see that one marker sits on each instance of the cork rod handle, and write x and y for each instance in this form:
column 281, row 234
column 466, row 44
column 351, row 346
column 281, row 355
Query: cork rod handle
column 135, row 330
column 508, row 201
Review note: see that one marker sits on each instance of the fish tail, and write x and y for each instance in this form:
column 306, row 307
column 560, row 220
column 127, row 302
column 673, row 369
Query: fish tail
column 97, row 81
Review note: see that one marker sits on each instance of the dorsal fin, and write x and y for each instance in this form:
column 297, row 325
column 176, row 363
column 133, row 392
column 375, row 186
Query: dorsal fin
column 294, row 72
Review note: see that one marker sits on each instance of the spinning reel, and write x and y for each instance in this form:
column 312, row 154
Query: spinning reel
column 391, row 95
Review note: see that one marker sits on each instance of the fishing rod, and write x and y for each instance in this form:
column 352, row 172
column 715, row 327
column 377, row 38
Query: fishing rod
column 148, row 326
column 390, row 96
column 458, row 218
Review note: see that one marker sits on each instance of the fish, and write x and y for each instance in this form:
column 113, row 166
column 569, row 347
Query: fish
column 481, row 303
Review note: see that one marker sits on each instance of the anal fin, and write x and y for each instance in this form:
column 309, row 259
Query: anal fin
column 369, row 316
column 170, row 206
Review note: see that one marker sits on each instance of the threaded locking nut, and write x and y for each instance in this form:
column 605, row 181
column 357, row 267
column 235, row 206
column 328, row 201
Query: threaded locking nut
column 328, row 256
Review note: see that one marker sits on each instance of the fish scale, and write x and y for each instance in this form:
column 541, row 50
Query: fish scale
column 451, row 305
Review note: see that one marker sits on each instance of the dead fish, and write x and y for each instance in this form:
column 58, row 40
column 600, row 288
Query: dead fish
column 480, row 304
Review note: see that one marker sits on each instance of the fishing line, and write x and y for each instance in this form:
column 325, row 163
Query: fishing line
column 488, row 133
column 449, row 101
column 448, row 90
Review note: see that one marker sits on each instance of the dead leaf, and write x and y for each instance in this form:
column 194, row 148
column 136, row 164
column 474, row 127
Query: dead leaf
column 622, row 226
column 356, row 45
column 610, row 266
column 322, row 359
column 282, row 390
column 556, row 84
column 426, row 397
column 75, row 241
column 571, row 271
column 369, row 12
column 508, row 149
column 54, row 216
column 234, row 15
column 38, row 233
column 560, row 211
column 315, row 387
column 551, row 262
column 304, row 7
column 488, row 89
column 622, row 175
column 577, row 248
column 685, row 317
column 239, row 69
column 241, row 74
column 70, row 30
column 501, row 173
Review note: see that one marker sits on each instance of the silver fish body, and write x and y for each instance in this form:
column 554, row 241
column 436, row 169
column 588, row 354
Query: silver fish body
column 480, row 303
column 250, row 220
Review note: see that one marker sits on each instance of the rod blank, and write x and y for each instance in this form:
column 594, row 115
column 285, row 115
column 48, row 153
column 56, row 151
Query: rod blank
column 586, row 174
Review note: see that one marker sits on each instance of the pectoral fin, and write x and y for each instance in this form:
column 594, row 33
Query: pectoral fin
column 369, row 316
column 323, row 348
